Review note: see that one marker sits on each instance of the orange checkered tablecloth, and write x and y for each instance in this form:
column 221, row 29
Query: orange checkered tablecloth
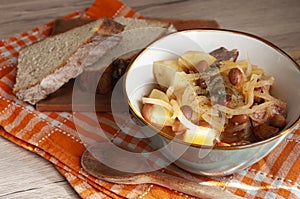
column 53, row 135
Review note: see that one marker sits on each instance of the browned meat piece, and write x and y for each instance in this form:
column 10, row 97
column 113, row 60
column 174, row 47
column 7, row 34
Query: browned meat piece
column 264, row 131
column 222, row 54
column 119, row 67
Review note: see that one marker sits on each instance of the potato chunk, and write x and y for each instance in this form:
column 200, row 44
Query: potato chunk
column 190, row 59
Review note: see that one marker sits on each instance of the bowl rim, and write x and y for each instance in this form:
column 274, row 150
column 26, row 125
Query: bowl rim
column 238, row 147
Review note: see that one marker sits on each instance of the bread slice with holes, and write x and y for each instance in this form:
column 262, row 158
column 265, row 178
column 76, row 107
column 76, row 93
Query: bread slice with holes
column 45, row 66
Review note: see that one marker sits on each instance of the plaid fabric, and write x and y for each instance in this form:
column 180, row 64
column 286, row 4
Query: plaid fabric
column 54, row 136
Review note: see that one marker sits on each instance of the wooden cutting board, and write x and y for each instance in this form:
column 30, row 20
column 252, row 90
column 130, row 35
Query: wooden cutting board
column 61, row 100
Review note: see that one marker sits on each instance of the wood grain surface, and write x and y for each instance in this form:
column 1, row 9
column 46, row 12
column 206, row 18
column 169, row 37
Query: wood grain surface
column 26, row 175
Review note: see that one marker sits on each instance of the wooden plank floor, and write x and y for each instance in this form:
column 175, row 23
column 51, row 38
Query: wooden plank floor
column 26, row 175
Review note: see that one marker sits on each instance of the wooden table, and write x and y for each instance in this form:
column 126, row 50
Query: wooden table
column 26, row 175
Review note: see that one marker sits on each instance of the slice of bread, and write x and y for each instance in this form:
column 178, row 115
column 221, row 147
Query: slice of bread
column 137, row 34
column 45, row 66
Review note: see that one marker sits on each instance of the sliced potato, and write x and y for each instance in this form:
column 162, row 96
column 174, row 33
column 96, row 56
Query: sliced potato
column 158, row 94
column 180, row 81
column 184, row 89
column 258, row 71
column 164, row 71
column 194, row 134
column 189, row 96
column 191, row 58
column 202, row 136
column 161, row 116
column 157, row 115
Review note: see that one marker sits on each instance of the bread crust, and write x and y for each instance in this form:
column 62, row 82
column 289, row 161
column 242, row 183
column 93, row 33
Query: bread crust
column 109, row 26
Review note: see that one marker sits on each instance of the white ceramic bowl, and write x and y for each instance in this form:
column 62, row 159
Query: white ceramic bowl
column 219, row 160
